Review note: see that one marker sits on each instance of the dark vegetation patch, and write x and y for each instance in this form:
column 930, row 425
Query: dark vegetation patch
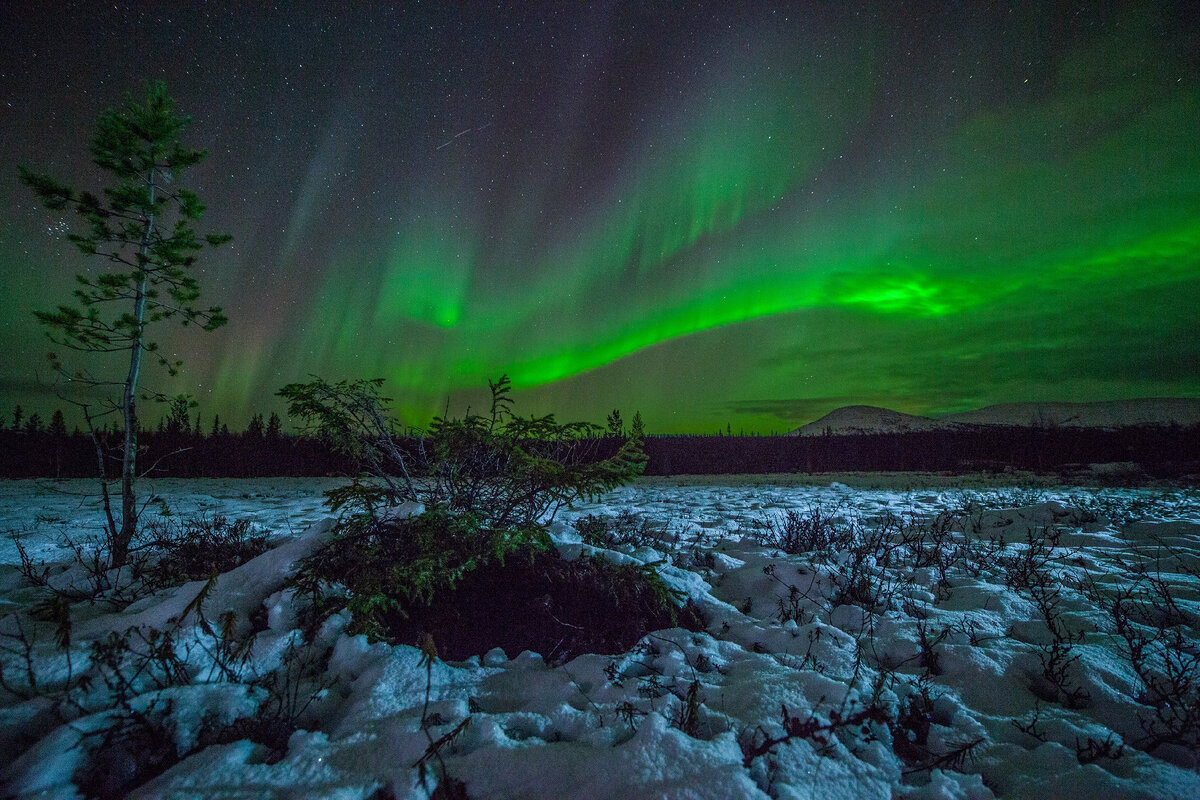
column 130, row 751
column 138, row 746
column 164, row 553
column 625, row 528
column 202, row 546
column 269, row 730
column 558, row 608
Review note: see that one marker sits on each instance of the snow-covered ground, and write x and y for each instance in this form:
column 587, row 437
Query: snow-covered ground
column 900, row 672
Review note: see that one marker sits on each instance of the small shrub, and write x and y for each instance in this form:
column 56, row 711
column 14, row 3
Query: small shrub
column 625, row 528
column 795, row 532
column 199, row 547
column 1118, row 509
column 504, row 470
column 1032, row 726
column 1161, row 649
column 1058, row 656
column 688, row 718
column 928, row 656
column 795, row 607
column 1030, row 566
column 163, row 553
column 863, row 577
column 930, row 540
column 911, row 726
column 812, row 728
column 87, row 578
column 1092, row 751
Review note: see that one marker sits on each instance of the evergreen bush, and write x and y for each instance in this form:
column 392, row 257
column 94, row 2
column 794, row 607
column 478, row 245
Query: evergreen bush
column 479, row 489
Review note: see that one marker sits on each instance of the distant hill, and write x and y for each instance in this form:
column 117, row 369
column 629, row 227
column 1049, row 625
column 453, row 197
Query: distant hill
column 1107, row 414
column 1162, row 411
column 868, row 419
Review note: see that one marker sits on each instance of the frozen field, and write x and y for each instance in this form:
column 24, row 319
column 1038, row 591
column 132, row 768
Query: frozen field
column 935, row 642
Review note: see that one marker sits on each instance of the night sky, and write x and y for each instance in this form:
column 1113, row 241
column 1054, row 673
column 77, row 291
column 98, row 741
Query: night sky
column 712, row 214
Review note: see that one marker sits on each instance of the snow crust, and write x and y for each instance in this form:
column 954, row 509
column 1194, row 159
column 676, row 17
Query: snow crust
column 612, row 725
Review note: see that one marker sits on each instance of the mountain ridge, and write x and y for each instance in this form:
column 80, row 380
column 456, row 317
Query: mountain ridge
column 1158, row 411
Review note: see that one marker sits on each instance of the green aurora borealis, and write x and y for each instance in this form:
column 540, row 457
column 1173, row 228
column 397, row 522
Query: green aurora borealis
column 712, row 216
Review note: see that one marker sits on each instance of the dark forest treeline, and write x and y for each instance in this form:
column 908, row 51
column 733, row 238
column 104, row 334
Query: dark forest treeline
column 42, row 454
column 1160, row 451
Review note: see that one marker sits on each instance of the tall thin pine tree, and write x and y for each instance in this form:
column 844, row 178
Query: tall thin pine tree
column 142, row 230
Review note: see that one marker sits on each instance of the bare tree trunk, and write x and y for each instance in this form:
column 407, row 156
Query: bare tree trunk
column 111, row 530
column 121, row 542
